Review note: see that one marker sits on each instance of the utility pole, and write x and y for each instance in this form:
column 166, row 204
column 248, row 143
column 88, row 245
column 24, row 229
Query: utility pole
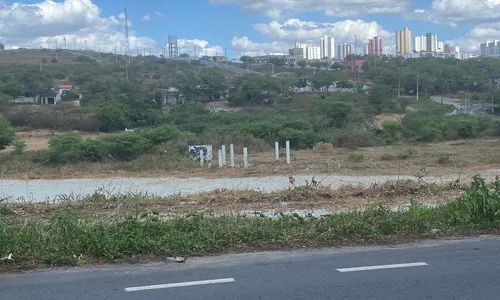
column 86, row 47
column 225, row 56
column 116, row 58
column 417, row 85
column 149, row 50
column 356, row 45
column 127, row 46
column 467, row 96
column 195, row 54
column 399, row 86
column 56, row 50
column 64, row 39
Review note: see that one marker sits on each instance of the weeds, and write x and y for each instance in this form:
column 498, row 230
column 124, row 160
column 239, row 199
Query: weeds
column 69, row 239
column 356, row 157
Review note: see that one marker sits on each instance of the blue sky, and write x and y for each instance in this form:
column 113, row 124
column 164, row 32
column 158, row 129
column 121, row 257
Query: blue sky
column 258, row 26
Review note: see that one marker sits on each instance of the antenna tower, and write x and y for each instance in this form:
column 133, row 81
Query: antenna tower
column 127, row 50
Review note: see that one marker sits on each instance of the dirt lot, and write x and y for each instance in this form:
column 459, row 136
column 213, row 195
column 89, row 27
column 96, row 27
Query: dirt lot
column 39, row 139
column 464, row 157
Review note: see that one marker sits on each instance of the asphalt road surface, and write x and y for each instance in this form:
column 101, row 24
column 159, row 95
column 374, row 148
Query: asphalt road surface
column 456, row 270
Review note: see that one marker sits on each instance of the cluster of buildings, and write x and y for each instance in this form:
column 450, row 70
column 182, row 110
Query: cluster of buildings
column 426, row 45
column 490, row 49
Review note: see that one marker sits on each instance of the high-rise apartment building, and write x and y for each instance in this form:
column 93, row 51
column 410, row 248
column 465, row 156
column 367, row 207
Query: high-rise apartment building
column 327, row 47
column 420, row 43
column 302, row 46
column 440, row 47
column 455, row 49
column 313, row 52
column 375, row 46
column 339, row 52
column 432, row 42
column 403, row 41
column 490, row 48
column 447, row 48
column 346, row 50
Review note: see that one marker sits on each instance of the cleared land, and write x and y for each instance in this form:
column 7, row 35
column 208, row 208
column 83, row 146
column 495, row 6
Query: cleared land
column 465, row 157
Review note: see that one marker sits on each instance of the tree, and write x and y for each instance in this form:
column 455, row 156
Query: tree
column 335, row 113
column 253, row 89
column 112, row 118
column 69, row 95
column 403, row 103
column 212, row 83
column 380, row 96
column 277, row 61
column 246, row 59
column 323, row 80
column 7, row 134
column 302, row 63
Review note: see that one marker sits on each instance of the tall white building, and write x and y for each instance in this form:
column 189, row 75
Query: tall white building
column 440, row 47
column 313, row 52
column 302, row 46
column 490, row 48
column 420, row 43
column 455, row 49
column 366, row 49
column 327, row 47
column 346, row 50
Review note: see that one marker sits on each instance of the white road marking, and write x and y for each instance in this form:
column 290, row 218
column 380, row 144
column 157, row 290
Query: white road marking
column 179, row 284
column 369, row 268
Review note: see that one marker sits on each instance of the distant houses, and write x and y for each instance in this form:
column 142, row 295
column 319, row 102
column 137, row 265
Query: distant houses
column 51, row 97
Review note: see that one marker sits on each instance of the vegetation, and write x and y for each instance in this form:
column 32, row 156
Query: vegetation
column 70, row 239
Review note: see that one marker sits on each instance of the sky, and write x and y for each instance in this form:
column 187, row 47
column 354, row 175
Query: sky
column 237, row 27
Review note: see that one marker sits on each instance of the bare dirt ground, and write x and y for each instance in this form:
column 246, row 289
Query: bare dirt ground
column 39, row 139
column 305, row 198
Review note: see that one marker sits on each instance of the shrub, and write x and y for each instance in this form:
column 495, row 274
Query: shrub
column 19, row 146
column 322, row 148
column 406, row 154
column 53, row 60
column 126, row 146
column 356, row 157
column 7, row 134
column 65, row 148
column 354, row 139
column 387, row 157
column 112, row 118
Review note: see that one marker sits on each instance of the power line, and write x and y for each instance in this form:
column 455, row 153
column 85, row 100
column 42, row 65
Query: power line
column 127, row 49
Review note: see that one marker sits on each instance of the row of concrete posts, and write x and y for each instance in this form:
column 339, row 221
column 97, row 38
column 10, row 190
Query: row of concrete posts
column 222, row 155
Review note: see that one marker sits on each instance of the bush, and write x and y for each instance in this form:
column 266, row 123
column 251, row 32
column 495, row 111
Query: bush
column 19, row 146
column 112, row 118
column 406, row 154
column 356, row 157
column 322, row 148
column 7, row 134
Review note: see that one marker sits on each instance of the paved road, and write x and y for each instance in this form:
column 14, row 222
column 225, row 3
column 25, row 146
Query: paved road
column 233, row 69
column 458, row 270
column 474, row 109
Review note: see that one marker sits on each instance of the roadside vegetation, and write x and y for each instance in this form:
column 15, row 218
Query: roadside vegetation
column 70, row 237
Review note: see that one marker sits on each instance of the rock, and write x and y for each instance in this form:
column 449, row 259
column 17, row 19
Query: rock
column 178, row 259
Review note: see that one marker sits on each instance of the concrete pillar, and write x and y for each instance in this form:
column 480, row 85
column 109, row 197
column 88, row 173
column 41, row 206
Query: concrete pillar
column 231, row 154
column 245, row 158
column 223, row 155
column 288, row 152
column 277, row 150
column 220, row 158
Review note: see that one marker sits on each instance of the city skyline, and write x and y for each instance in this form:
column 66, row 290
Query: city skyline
column 239, row 26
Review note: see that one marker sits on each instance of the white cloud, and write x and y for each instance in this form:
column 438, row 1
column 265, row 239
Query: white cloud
column 146, row 18
column 160, row 14
column 274, row 9
column 199, row 48
column 295, row 30
column 42, row 24
column 245, row 46
column 477, row 35
column 453, row 12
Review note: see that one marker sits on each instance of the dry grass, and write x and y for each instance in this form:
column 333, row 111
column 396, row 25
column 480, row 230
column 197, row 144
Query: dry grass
column 463, row 156
column 104, row 205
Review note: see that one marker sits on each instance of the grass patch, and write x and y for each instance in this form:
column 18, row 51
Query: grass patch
column 442, row 158
column 69, row 239
column 406, row 154
column 356, row 157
